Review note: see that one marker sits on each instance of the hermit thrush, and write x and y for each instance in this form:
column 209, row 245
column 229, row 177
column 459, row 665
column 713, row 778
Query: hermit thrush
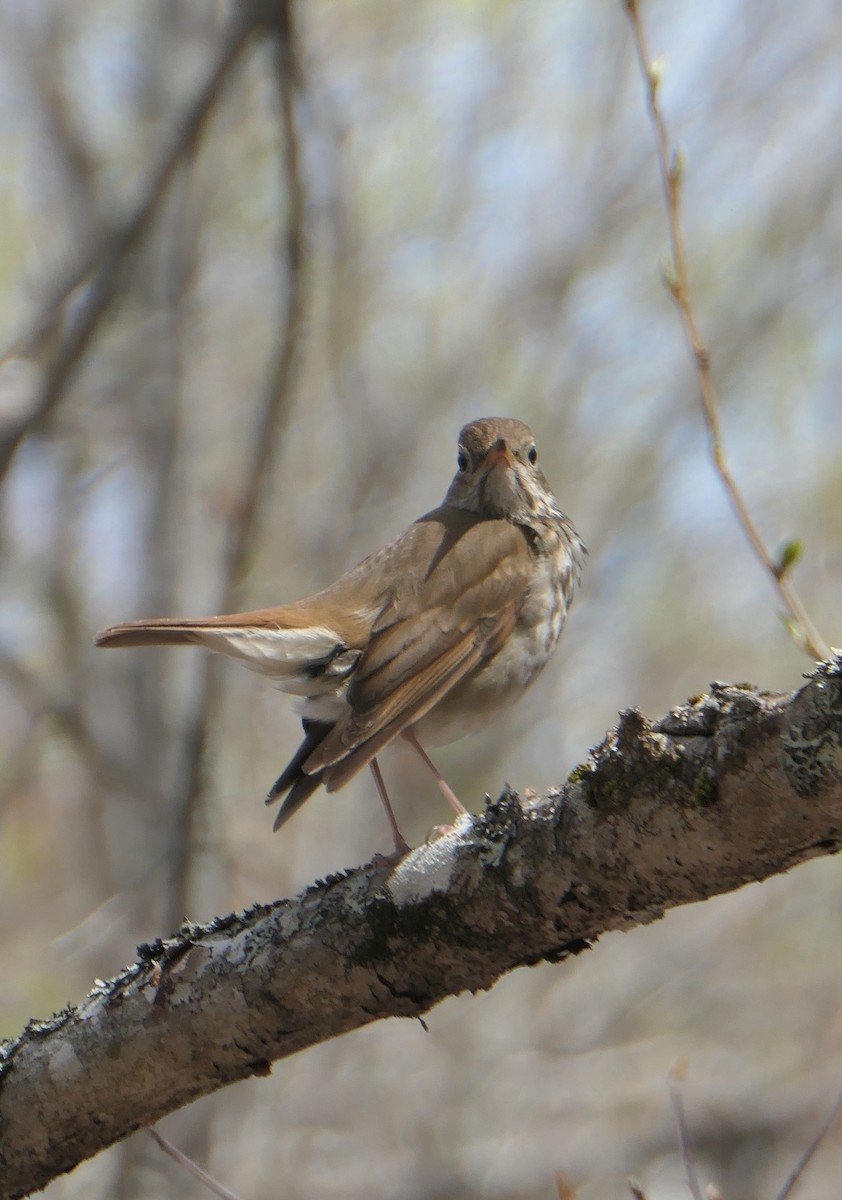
column 429, row 637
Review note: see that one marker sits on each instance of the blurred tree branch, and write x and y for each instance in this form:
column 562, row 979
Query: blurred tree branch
column 272, row 408
column 60, row 337
column 736, row 785
column 68, row 717
column 670, row 167
column 95, row 280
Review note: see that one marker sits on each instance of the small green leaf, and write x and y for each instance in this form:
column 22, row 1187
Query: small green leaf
column 788, row 556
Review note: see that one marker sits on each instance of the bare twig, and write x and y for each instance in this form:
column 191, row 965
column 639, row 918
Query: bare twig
column 799, row 1168
column 191, row 1167
column 670, row 167
column 674, row 1078
column 181, row 266
column 100, row 271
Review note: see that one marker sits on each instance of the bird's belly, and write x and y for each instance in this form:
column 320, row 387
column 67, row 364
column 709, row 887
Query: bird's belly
column 500, row 681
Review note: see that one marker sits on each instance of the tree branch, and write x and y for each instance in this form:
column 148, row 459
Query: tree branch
column 732, row 787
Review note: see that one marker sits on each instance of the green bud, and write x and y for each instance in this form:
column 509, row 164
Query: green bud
column 788, row 556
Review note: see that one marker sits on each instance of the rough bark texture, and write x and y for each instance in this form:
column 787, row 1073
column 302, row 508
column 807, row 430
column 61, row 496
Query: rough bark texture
column 735, row 786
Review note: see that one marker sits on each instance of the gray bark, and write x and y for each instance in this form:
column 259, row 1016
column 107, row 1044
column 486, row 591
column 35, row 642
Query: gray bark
column 734, row 786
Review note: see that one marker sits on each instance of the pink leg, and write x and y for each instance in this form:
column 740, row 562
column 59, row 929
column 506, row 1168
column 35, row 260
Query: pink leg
column 401, row 845
column 444, row 787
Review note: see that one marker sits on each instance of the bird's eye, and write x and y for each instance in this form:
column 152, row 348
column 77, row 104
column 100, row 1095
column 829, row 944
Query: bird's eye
column 532, row 455
column 462, row 460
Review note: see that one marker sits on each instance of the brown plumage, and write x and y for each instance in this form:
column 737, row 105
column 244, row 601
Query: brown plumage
column 427, row 637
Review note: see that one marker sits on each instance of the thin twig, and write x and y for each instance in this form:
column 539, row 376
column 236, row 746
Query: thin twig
column 674, row 1084
column 181, row 266
column 191, row 1167
column 670, row 168
column 100, row 271
column 799, row 1168
column 274, row 407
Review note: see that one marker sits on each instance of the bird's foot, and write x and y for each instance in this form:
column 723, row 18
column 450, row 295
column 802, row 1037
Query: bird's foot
column 400, row 852
column 438, row 831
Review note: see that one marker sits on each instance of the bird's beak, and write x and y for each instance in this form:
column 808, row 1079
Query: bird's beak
column 499, row 453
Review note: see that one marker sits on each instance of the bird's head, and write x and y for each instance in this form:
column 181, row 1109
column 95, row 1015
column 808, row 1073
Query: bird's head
column 497, row 473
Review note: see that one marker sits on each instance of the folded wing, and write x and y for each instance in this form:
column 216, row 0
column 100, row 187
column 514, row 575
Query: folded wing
column 434, row 631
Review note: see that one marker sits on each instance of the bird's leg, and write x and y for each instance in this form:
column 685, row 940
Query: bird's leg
column 444, row 787
column 401, row 844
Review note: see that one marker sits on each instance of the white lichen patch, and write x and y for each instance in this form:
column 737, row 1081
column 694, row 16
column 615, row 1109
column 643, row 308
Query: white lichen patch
column 430, row 868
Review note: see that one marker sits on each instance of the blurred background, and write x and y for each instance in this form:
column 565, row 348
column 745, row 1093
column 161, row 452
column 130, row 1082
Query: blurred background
column 413, row 215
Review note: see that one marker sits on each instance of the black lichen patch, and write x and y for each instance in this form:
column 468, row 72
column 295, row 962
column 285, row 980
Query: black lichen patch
column 501, row 818
column 580, row 773
column 812, row 762
column 705, row 790
column 408, row 924
column 811, row 750
column 636, row 760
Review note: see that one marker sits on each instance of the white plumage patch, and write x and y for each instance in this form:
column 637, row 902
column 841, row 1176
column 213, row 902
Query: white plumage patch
column 292, row 657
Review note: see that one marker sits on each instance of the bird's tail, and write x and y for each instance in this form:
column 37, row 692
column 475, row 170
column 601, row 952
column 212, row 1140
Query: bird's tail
column 162, row 632
column 304, row 659
column 294, row 781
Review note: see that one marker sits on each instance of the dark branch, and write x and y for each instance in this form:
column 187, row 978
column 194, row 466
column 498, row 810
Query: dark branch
column 735, row 786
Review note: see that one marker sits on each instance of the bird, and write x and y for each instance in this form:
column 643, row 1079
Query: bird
column 427, row 639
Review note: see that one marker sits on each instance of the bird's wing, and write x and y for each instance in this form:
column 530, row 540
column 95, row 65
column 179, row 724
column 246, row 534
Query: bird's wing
column 439, row 625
